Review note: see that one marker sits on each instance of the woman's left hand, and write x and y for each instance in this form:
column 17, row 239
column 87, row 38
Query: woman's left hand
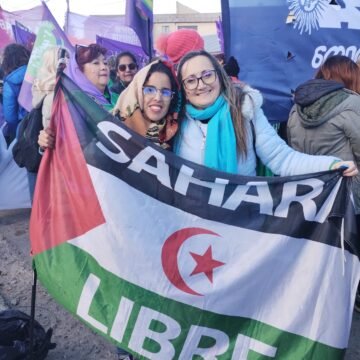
column 351, row 169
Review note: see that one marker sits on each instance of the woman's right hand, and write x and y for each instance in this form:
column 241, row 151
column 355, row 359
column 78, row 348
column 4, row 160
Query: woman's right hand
column 349, row 166
column 46, row 139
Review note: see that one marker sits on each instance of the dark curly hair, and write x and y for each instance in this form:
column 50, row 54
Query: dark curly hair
column 14, row 56
column 86, row 54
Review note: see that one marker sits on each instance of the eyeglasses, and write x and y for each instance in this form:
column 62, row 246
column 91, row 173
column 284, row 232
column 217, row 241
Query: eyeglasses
column 207, row 77
column 131, row 66
column 152, row 91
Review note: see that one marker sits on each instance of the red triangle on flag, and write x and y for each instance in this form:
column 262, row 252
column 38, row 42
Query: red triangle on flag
column 65, row 204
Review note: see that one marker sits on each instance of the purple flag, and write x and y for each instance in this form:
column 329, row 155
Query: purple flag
column 23, row 35
column 83, row 29
column 49, row 34
column 115, row 47
column 6, row 34
column 30, row 18
column 139, row 16
column 220, row 34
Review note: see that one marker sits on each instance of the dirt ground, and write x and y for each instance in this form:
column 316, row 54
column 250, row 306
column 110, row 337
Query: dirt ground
column 74, row 340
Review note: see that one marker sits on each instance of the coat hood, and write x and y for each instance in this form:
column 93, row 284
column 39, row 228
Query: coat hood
column 312, row 90
column 318, row 100
column 16, row 77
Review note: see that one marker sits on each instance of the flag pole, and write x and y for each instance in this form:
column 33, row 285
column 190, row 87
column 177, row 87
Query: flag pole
column 149, row 39
column 32, row 315
column 66, row 27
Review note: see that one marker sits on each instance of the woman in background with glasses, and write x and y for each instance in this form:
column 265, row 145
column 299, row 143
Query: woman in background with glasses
column 149, row 105
column 126, row 68
column 224, row 127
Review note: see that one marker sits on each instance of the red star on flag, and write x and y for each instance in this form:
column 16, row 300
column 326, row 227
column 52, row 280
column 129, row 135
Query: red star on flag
column 205, row 263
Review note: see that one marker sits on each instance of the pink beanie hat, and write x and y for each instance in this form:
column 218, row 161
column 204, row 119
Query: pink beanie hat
column 178, row 43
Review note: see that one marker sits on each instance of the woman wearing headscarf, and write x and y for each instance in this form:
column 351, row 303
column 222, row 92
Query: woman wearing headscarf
column 44, row 83
column 149, row 105
column 43, row 93
column 88, row 68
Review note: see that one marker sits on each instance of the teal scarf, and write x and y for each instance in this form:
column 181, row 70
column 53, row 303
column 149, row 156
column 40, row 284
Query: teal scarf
column 220, row 146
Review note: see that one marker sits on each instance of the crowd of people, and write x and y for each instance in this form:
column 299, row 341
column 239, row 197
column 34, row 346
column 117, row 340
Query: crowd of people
column 186, row 101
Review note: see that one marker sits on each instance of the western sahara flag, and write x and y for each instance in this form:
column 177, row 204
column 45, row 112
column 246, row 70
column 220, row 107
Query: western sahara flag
column 172, row 260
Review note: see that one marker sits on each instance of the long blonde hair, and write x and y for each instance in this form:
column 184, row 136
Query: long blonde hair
column 230, row 93
column 46, row 77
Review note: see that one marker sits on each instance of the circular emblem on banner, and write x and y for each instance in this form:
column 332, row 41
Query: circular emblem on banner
column 205, row 263
column 307, row 13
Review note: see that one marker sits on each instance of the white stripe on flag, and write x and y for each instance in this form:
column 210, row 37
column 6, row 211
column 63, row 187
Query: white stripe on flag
column 272, row 278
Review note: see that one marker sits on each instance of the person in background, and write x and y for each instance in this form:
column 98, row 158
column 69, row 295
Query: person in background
column 44, row 83
column 232, row 68
column 173, row 46
column 43, row 93
column 126, row 67
column 150, row 104
column 220, row 58
column 112, row 66
column 14, row 64
column 88, row 68
column 325, row 119
column 213, row 103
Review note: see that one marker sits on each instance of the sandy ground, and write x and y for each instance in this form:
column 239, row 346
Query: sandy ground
column 73, row 339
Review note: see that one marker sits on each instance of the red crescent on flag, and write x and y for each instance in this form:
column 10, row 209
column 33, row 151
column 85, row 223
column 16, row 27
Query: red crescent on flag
column 169, row 256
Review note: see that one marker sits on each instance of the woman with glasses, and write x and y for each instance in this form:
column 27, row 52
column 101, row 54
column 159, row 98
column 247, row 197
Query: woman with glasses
column 149, row 105
column 224, row 127
column 126, row 68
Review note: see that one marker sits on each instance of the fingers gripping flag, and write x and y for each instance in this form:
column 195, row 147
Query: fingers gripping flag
column 170, row 260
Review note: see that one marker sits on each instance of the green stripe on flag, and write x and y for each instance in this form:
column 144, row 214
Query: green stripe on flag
column 66, row 270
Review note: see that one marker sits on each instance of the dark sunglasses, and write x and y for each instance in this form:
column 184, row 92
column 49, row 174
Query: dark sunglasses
column 131, row 66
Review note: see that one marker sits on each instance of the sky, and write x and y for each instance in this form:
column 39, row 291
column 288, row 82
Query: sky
column 108, row 7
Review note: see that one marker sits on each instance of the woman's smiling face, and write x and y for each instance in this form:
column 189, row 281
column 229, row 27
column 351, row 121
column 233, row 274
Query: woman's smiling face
column 98, row 72
column 205, row 93
column 156, row 105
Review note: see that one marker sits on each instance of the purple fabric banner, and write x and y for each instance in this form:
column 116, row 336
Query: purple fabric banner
column 6, row 34
column 23, row 35
column 49, row 34
column 115, row 47
column 30, row 18
column 141, row 21
column 220, row 34
column 83, row 29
